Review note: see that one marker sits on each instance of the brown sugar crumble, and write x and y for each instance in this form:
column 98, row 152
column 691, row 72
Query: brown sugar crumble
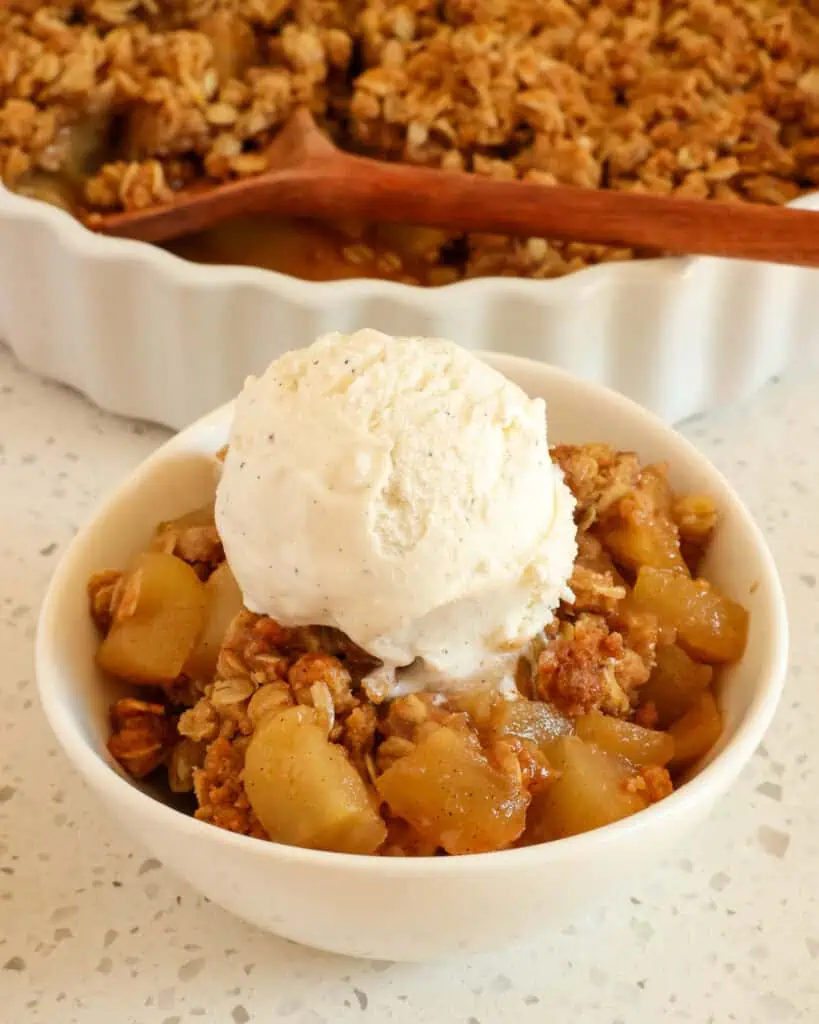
column 115, row 104
column 613, row 703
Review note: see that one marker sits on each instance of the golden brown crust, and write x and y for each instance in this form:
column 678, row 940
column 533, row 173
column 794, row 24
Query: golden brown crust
column 570, row 672
column 653, row 781
column 142, row 735
column 102, row 589
column 220, row 792
column 595, row 582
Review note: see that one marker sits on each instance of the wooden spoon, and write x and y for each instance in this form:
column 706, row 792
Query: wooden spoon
column 310, row 177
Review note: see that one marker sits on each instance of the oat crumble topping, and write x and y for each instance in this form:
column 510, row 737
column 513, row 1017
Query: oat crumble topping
column 113, row 104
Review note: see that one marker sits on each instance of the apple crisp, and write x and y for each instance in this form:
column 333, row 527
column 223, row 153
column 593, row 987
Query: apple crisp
column 114, row 104
column 277, row 732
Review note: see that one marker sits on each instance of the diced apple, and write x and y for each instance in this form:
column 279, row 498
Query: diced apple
column 157, row 622
column 676, row 682
column 654, row 484
column 696, row 516
column 534, row 720
column 625, row 739
column 697, row 731
column 450, row 793
column 640, row 530
column 478, row 704
column 304, row 790
column 223, row 603
column 591, row 790
column 710, row 626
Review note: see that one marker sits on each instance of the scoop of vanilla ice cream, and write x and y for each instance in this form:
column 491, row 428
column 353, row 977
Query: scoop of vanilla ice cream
column 400, row 490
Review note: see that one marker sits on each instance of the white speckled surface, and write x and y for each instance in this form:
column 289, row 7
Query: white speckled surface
column 93, row 931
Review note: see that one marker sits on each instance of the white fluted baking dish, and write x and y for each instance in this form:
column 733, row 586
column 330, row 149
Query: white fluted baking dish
column 146, row 334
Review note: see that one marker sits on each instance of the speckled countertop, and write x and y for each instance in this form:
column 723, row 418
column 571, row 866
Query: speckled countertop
column 92, row 930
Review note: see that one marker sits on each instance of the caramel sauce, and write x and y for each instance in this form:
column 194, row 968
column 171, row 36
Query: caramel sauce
column 301, row 248
column 316, row 251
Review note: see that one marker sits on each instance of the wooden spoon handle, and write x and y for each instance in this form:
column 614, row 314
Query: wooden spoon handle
column 333, row 186
column 369, row 190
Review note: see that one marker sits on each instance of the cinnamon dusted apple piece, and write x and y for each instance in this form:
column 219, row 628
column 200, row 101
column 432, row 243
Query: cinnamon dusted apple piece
column 304, row 789
column 709, row 626
column 447, row 789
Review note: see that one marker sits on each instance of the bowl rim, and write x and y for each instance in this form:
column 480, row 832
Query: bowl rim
column 72, row 233
column 714, row 777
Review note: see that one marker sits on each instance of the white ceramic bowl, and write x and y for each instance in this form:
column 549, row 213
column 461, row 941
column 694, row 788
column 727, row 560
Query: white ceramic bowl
column 407, row 909
column 146, row 334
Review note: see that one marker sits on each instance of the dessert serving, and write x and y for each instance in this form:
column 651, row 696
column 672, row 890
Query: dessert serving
column 112, row 104
column 406, row 627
